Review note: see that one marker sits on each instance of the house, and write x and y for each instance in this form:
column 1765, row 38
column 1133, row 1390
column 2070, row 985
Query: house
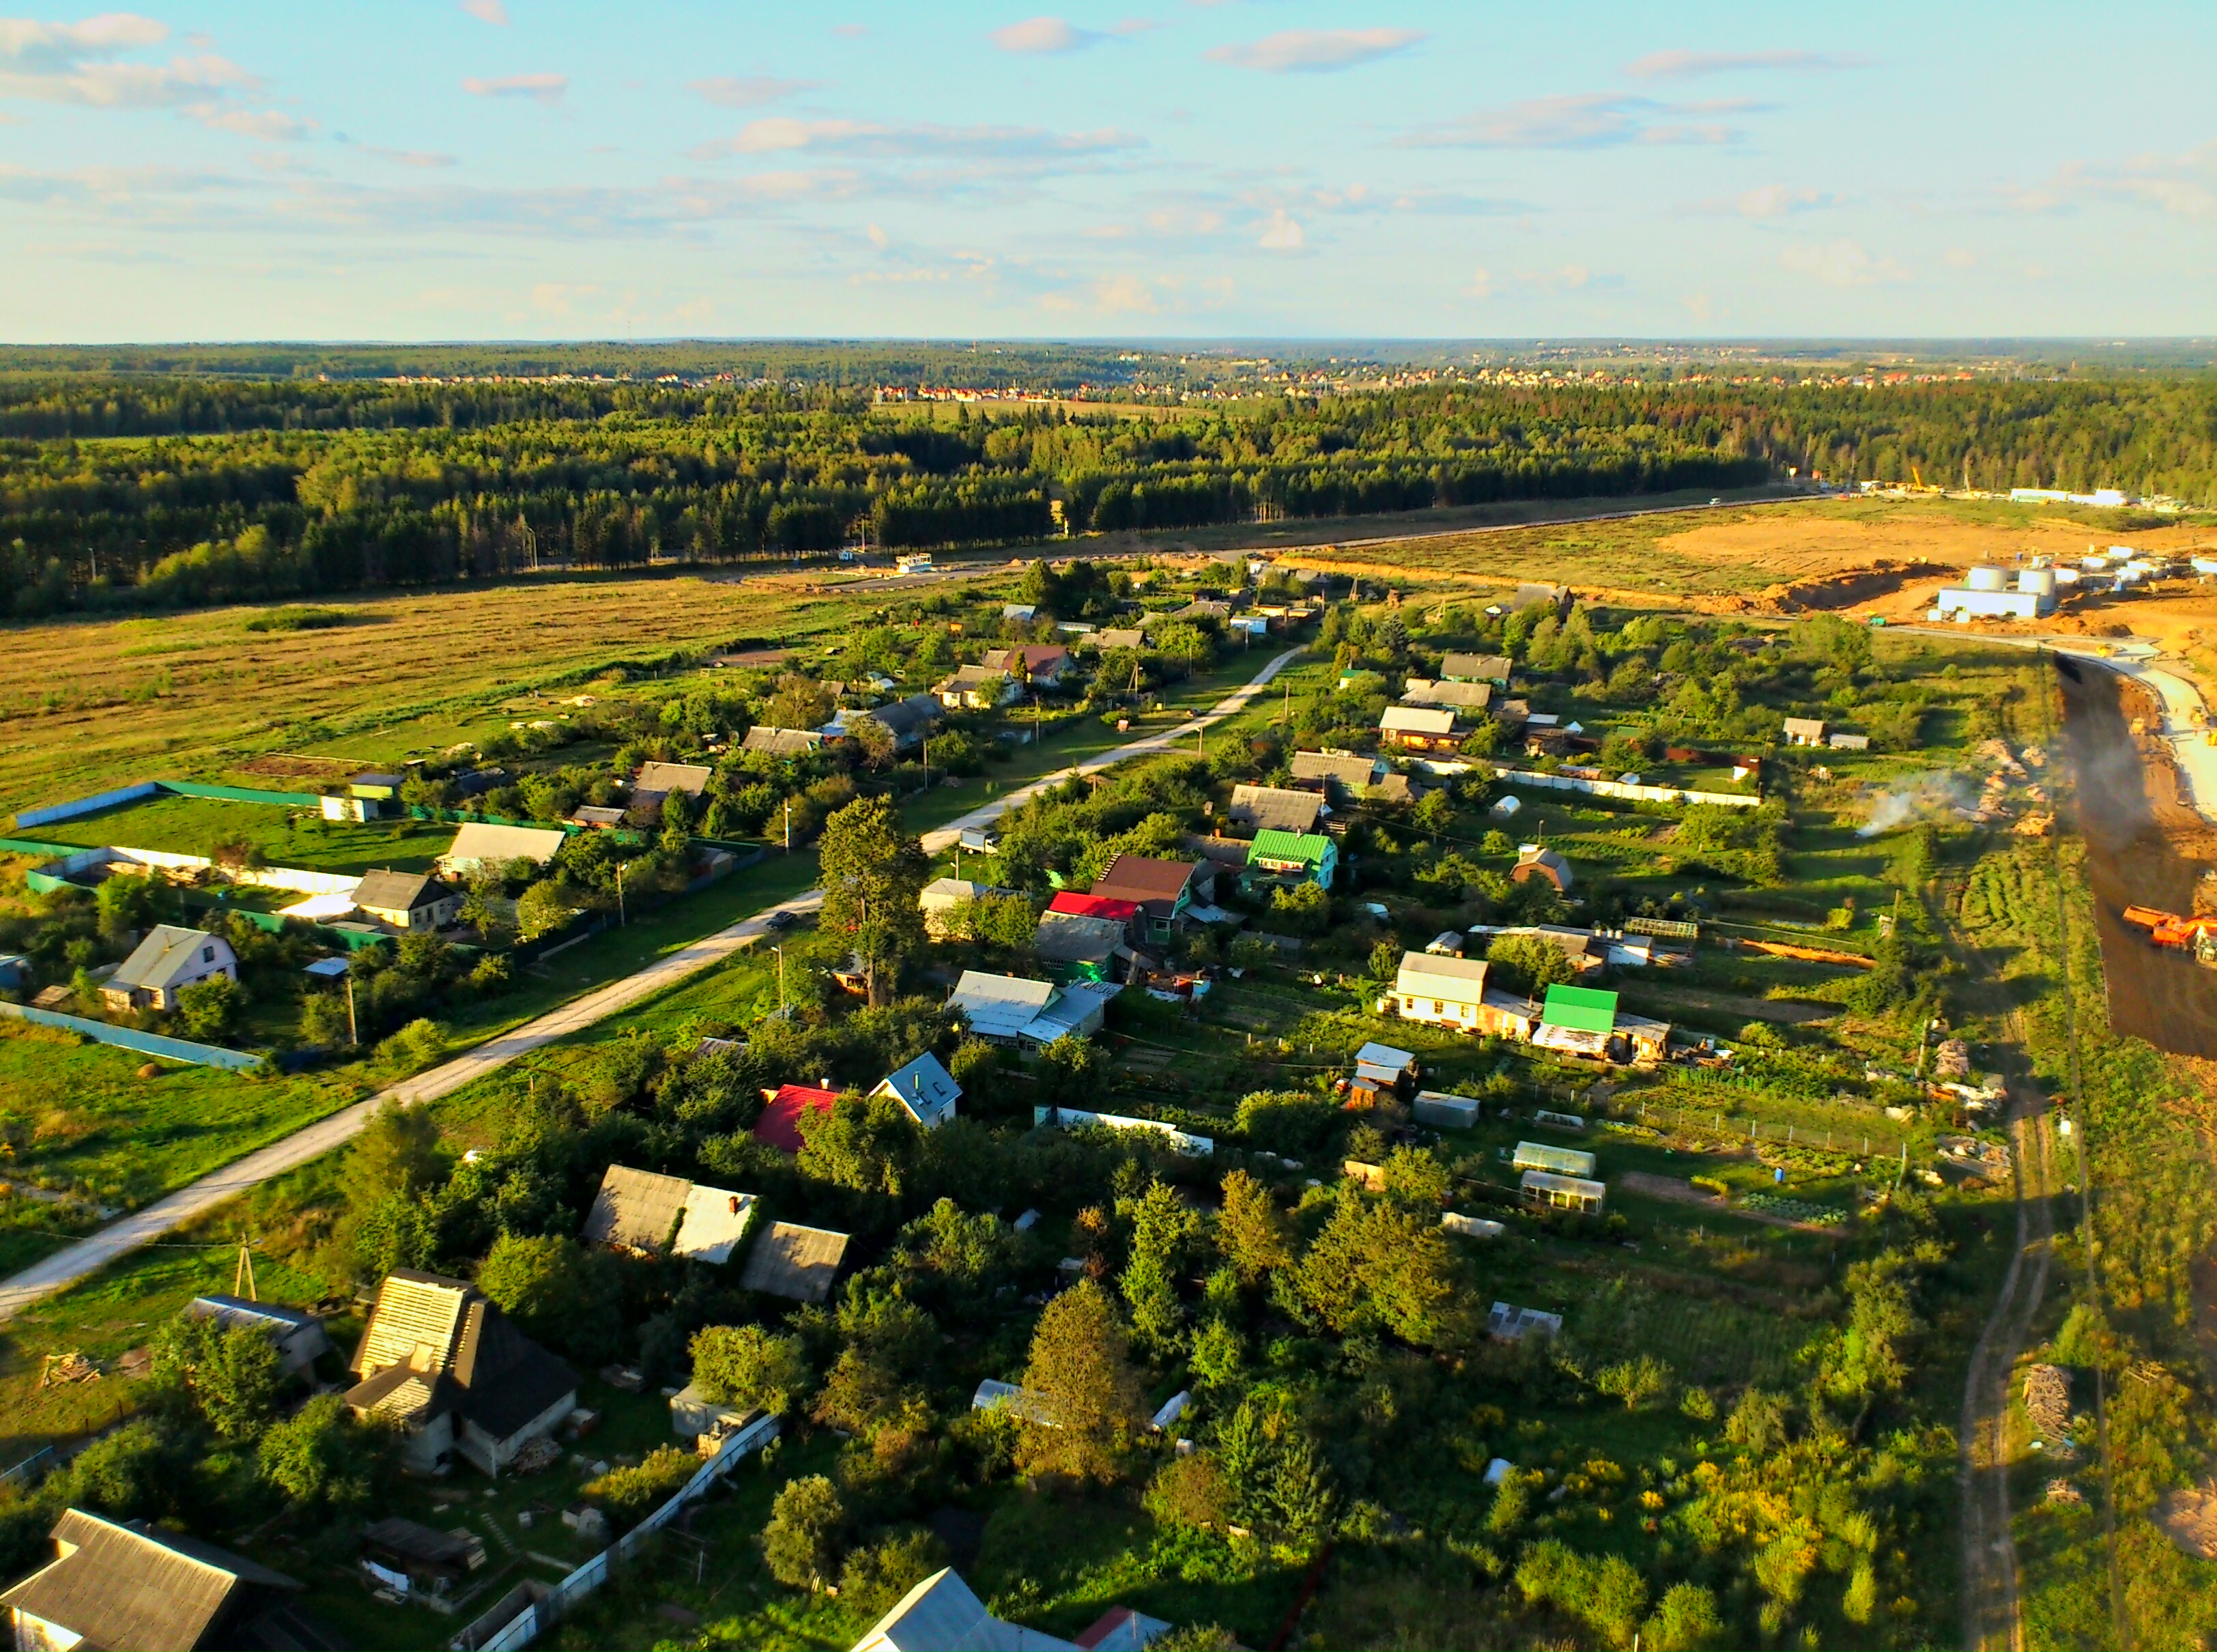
column 414, row 901
column 784, row 1108
column 1119, row 637
column 783, row 742
column 597, row 816
column 1340, row 775
column 660, row 779
column 1382, row 1072
column 1461, row 697
column 447, row 1368
column 169, row 959
column 944, row 1614
column 1475, row 668
column 1804, row 731
column 479, row 843
column 1543, row 596
column 1039, row 664
column 1009, row 1010
column 1278, row 807
column 1078, row 948
column 297, row 1335
column 642, row 1214
column 1292, row 857
column 112, row 1584
column 1533, row 861
column 1577, row 1020
column 1163, row 889
column 1451, row 991
column 1419, row 728
column 1544, row 1190
column 368, row 798
column 976, row 688
column 939, row 900
column 909, row 721
column 797, row 1263
column 925, row 1087
column 1223, row 854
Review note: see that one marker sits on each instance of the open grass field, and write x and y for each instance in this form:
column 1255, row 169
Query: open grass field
column 299, row 837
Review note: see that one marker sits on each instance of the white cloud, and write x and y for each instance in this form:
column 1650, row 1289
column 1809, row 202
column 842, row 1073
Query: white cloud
column 749, row 91
column 1959, row 257
column 1578, row 121
column 487, row 11
column 1777, row 201
column 780, row 133
column 1283, row 233
column 269, row 125
column 1043, row 34
column 1682, row 65
column 1843, row 264
column 1570, row 277
column 2181, row 185
column 556, row 298
column 878, row 237
column 1316, row 50
column 1112, row 295
column 1481, row 283
column 541, row 89
column 38, row 47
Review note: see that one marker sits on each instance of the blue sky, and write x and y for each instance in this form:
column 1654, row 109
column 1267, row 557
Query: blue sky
column 1256, row 167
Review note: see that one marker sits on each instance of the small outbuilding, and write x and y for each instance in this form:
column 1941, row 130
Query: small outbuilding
column 1534, row 861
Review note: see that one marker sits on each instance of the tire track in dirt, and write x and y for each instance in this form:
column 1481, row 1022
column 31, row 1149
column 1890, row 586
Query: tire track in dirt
column 1991, row 1622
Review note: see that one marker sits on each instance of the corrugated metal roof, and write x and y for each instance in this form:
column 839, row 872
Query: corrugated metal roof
column 715, row 1221
column 397, row 891
column 1073, row 904
column 924, row 1087
column 1430, row 975
column 121, row 1586
column 1000, row 1007
column 636, row 1210
column 481, row 840
column 1377, row 1054
column 168, row 952
column 1285, row 810
column 1295, row 848
column 780, row 1123
column 691, row 778
column 1417, row 720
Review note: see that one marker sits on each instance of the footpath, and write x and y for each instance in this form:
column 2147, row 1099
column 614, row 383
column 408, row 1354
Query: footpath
column 87, row 1256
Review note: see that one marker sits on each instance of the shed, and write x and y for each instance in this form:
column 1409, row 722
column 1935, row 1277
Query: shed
column 1076, row 947
column 1399, row 1062
column 1534, row 860
column 1512, row 1324
column 795, row 1262
column 1446, row 1112
column 297, row 1334
column 1840, row 742
column 941, row 897
column 1475, row 668
column 1804, row 731
column 783, row 742
column 693, row 1413
column 1562, row 1161
column 599, row 817
column 428, row 1556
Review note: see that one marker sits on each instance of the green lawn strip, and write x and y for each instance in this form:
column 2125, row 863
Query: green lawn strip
column 285, row 835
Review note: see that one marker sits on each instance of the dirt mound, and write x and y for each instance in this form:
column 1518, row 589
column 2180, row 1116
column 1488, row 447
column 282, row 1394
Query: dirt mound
column 1844, row 589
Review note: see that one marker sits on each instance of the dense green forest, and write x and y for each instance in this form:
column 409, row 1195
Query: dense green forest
column 151, row 490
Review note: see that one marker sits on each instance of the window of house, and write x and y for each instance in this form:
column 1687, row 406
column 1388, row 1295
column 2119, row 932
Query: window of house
column 207, row 954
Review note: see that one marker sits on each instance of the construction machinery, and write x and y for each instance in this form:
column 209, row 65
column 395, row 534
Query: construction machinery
column 2195, row 937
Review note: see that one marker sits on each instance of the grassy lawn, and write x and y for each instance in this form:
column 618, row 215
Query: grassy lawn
column 90, row 1125
column 299, row 837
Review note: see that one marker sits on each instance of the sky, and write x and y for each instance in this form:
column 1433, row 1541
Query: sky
column 1258, row 168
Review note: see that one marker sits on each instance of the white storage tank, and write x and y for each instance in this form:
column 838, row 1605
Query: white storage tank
column 2041, row 582
column 1985, row 578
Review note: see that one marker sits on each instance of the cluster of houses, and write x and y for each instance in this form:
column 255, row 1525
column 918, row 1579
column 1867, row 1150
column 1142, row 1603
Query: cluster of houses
column 1439, row 986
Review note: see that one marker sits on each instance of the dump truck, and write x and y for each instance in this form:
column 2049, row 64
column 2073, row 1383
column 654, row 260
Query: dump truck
column 2175, row 931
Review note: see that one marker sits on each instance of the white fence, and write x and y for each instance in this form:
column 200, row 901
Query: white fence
column 1620, row 788
column 488, row 1635
column 1073, row 1118
column 260, row 878
column 70, row 810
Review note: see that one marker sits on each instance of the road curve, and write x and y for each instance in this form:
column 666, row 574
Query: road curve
column 74, row 1262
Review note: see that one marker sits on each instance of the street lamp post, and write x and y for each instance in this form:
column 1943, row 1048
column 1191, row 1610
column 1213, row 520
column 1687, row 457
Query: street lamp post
column 623, row 919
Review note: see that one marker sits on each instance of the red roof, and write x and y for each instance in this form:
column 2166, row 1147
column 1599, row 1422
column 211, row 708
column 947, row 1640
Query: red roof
column 779, row 1124
column 1074, row 905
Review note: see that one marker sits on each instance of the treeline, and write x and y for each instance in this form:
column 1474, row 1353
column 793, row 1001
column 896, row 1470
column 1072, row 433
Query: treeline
column 220, row 490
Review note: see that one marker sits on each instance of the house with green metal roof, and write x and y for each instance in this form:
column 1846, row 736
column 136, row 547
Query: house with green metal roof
column 1579, row 1009
column 1585, row 1021
column 1277, row 857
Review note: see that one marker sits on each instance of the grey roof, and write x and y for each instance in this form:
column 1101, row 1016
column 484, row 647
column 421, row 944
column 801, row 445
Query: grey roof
column 794, row 1262
column 925, row 1087
column 459, row 1350
column 1341, row 768
column 168, row 952
column 1272, row 806
column 597, row 815
column 1120, row 637
column 944, row 1614
column 1072, row 937
column 972, row 676
column 905, row 716
column 1475, row 668
column 1377, row 1054
column 1429, row 974
column 1417, row 720
column 636, row 1210
column 782, row 742
column 691, row 778
column 398, row 891
column 1467, row 696
column 121, row 1586
column 1000, row 1007
column 483, row 840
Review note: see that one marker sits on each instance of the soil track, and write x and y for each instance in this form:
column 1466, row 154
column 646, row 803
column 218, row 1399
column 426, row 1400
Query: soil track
column 2146, row 847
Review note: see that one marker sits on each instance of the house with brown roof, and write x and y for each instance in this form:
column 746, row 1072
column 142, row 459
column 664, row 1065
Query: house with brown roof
column 1163, row 890
column 1338, row 775
column 1534, row 860
column 445, row 1367
column 413, row 902
column 119, row 1584
column 1039, row 664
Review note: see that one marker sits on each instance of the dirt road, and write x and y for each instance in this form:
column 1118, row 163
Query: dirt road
column 1988, row 1591
column 141, row 1228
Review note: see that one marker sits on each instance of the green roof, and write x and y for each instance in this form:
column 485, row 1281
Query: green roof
column 1303, row 848
column 1581, row 1009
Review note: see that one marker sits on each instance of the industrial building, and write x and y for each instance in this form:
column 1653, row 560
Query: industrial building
column 1987, row 594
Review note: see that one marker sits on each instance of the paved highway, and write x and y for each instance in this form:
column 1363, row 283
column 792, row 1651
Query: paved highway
column 120, row 1238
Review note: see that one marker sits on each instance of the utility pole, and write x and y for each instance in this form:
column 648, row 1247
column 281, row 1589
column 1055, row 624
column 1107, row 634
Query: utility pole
column 623, row 919
column 788, row 825
column 780, row 979
column 354, row 1027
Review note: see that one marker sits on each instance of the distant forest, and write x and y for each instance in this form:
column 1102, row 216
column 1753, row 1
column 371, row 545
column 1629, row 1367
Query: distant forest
column 147, row 490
